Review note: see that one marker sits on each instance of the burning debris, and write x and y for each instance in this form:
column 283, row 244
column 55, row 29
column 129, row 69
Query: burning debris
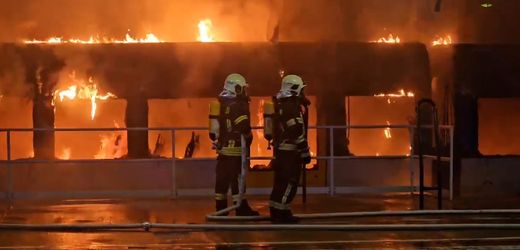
column 113, row 145
column 442, row 41
column 79, row 89
column 150, row 38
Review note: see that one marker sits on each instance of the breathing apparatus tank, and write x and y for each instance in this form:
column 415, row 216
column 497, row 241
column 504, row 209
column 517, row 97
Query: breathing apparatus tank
column 214, row 126
column 268, row 121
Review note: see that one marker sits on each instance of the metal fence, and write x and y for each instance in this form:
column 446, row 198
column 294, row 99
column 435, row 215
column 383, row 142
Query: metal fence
column 330, row 158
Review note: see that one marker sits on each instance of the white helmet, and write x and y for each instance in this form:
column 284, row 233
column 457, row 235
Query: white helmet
column 293, row 84
column 235, row 84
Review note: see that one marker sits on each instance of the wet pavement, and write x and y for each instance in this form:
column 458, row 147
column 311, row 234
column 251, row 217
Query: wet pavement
column 193, row 210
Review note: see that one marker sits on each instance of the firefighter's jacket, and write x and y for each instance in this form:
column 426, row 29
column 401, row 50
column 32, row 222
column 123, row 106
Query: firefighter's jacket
column 289, row 126
column 234, row 121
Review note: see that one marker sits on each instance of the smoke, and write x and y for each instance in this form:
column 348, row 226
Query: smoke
column 12, row 73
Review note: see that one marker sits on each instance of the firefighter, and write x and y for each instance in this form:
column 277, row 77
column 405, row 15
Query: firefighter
column 229, row 120
column 291, row 150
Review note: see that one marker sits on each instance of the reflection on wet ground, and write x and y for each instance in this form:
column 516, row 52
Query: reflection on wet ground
column 192, row 210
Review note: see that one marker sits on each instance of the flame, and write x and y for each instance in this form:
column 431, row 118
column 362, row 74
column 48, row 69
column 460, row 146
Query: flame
column 442, row 41
column 205, row 31
column 400, row 93
column 113, row 145
column 83, row 91
column 149, row 38
column 388, row 133
column 390, row 39
column 65, row 154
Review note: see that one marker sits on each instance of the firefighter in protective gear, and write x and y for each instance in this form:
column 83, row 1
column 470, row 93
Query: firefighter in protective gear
column 229, row 120
column 291, row 149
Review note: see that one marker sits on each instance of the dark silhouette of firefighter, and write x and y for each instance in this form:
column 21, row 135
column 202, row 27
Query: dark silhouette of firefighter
column 285, row 126
column 229, row 120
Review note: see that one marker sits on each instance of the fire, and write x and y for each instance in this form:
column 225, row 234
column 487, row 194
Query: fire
column 65, row 154
column 390, row 39
column 400, row 93
column 112, row 145
column 83, row 91
column 388, row 133
column 205, row 31
column 442, row 41
column 149, row 38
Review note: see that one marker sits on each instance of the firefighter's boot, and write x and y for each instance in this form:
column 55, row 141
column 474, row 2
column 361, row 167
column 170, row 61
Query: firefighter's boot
column 245, row 210
column 220, row 205
column 279, row 216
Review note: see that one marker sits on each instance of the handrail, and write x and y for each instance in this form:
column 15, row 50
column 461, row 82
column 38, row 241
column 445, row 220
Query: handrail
column 205, row 128
column 420, row 153
column 330, row 157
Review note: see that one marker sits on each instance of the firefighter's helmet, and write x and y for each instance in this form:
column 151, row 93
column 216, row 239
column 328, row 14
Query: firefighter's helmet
column 235, row 84
column 293, row 84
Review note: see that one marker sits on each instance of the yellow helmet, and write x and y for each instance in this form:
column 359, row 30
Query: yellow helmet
column 235, row 84
column 293, row 84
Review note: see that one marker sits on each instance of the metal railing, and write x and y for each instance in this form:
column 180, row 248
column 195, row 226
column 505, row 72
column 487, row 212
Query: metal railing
column 330, row 158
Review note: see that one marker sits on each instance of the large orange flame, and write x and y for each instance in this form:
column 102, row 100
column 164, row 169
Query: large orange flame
column 84, row 91
column 205, row 31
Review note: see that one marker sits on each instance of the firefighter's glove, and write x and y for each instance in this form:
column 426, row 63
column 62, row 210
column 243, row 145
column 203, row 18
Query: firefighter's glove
column 305, row 156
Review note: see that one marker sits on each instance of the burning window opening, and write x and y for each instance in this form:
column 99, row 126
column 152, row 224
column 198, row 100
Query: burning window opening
column 389, row 39
column 205, row 35
column 385, row 141
column 16, row 113
column 446, row 40
column 498, row 133
column 82, row 90
column 149, row 38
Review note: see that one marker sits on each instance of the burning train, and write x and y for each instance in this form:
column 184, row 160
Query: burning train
column 150, row 81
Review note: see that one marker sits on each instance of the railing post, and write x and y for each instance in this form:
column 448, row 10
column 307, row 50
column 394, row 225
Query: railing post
column 10, row 194
column 174, row 168
column 451, row 162
column 331, row 162
column 410, row 165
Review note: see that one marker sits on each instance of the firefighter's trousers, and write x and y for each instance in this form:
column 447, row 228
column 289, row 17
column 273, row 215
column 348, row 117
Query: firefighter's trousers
column 287, row 169
column 228, row 172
